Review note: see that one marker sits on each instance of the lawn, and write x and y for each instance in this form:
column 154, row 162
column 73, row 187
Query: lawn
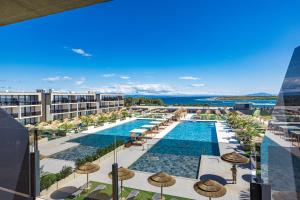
column 143, row 195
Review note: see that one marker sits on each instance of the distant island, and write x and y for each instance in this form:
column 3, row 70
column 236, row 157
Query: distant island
column 204, row 101
column 253, row 97
column 260, row 94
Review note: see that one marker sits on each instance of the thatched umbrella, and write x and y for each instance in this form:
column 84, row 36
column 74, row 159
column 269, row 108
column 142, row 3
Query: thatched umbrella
column 123, row 175
column 87, row 169
column 234, row 158
column 210, row 189
column 161, row 179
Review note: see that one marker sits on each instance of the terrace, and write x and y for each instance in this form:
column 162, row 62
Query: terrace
column 211, row 166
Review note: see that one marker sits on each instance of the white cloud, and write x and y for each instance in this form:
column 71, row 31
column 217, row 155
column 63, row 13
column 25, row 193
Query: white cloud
column 107, row 75
column 125, row 77
column 66, row 78
column 198, row 85
column 80, row 81
column 57, row 78
column 189, row 78
column 81, row 52
column 154, row 88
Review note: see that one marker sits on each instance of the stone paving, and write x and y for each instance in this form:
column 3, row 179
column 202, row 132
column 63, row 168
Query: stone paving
column 211, row 166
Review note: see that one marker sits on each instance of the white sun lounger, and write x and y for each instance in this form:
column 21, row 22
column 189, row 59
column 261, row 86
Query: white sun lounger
column 132, row 195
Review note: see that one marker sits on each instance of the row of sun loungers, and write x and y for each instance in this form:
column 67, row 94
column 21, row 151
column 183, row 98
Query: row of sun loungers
column 131, row 196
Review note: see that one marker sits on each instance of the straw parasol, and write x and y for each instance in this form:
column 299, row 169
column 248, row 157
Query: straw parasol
column 210, row 189
column 161, row 179
column 234, row 158
column 123, row 175
column 87, row 169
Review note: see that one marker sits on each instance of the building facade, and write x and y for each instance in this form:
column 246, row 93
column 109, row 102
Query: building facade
column 110, row 102
column 23, row 106
column 32, row 108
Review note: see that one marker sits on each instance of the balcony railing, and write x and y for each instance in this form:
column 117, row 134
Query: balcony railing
column 73, row 101
column 28, row 114
column 82, row 108
column 87, row 100
column 17, row 103
column 63, row 101
column 59, row 111
column 112, row 99
column 104, row 106
column 73, row 109
column 91, row 108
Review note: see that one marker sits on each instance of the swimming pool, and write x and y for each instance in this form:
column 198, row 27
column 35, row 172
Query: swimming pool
column 179, row 152
column 90, row 143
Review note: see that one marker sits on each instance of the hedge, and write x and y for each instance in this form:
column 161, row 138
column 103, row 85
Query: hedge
column 50, row 178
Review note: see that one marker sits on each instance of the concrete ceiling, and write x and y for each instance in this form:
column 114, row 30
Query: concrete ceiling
column 13, row 11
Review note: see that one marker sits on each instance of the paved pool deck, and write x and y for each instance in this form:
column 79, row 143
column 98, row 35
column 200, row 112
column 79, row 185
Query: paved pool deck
column 211, row 166
column 61, row 144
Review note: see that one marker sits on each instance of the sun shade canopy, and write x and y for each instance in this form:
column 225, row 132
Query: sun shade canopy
column 13, row 11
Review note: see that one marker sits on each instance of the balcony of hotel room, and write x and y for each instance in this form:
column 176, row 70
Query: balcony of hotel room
column 63, row 99
column 113, row 103
column 31, row 111
column 60, row 116
column 14, row 100
column 61, row 108
column 73, row 108
column 91, row 112
column 91, row 106
column 111, row 98
column 32, row 120
column 86, row 99
column 104, row 104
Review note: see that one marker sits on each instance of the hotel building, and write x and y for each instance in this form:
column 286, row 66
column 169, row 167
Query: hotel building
column 31, row 108
column 26, row 107
column 110, row 102
column 58, row 106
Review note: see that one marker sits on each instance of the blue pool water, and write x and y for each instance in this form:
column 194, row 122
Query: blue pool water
column 179, row 152
column 90, row 143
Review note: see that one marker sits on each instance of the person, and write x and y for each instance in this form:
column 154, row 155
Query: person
column 233, row 170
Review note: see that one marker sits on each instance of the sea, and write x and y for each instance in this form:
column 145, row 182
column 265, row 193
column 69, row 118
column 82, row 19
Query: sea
column 208, row 100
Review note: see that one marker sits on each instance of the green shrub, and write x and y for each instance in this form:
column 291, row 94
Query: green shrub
column 49, row 179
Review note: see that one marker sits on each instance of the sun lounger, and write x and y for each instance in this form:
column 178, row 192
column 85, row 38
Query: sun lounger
column 99, row 187
column 78, row 192
column 138, row 143
column 132, row 195
column 156, row 196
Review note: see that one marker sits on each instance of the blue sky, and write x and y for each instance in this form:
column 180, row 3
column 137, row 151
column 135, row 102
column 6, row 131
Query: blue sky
column 154, row 47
